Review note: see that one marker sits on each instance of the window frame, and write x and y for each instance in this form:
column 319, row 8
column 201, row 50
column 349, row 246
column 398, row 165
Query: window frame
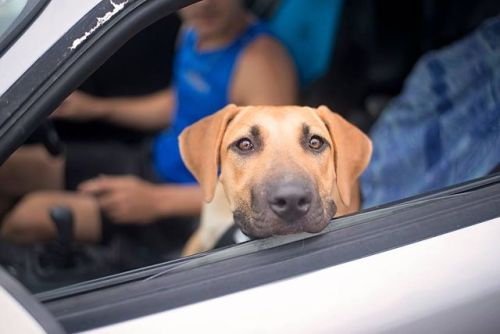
column 62, row 69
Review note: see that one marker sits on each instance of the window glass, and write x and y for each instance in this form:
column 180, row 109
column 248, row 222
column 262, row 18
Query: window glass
column 9, row 11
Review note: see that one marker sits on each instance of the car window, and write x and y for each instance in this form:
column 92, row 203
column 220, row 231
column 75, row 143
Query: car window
column 15, row 16
column 393, row 76
column 9, row 11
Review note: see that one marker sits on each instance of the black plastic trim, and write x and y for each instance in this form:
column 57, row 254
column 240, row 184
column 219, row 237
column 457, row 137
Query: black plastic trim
column 28, row 14
column 228, row 271
column 29, row 303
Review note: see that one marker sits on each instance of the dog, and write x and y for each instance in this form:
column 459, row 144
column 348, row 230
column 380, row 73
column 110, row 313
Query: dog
column 273, row 170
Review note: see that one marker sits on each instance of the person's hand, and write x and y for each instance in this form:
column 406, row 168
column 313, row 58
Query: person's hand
column 125, row 199
column 80, row 106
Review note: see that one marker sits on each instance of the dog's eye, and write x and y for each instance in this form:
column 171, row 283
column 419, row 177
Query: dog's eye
column 244, row 145
column 316, row 143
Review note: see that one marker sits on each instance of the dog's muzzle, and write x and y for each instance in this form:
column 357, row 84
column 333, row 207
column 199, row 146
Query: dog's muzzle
column 284, row 206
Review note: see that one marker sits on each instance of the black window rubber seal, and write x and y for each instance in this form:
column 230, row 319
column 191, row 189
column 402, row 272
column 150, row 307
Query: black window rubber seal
column 28, row 14
column 349, row 238
column 30, row 304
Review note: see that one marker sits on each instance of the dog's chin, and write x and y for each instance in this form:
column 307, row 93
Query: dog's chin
column 264, row 224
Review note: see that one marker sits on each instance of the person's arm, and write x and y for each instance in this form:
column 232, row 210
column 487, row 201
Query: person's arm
column 128, row 199
column 150, row 112
column 265, row 75
column 178, row 200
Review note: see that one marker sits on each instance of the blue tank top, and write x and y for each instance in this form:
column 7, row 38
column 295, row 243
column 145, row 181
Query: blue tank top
column 202, row 86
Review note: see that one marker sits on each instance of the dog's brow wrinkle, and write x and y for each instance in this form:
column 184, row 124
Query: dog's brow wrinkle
column 255, row 131
column 305, row 129
column 257, row 138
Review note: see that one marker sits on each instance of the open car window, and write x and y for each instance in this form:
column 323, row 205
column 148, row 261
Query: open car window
column 394, row 84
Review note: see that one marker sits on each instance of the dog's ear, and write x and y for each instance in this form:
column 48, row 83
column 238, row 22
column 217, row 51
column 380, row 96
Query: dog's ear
column 200, row 144
column 352, row 149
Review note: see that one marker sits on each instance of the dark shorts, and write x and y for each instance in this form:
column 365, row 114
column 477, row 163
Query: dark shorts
column 88, row 160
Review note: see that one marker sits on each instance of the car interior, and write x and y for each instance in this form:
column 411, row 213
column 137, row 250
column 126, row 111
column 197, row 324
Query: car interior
column 373, row 46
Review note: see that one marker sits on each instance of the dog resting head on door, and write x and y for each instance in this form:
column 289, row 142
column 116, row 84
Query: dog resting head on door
column 283, row 169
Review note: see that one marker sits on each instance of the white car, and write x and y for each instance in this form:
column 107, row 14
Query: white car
column 424, row 264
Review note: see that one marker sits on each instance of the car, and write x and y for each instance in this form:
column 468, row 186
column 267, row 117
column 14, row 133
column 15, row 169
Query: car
column 420, row 264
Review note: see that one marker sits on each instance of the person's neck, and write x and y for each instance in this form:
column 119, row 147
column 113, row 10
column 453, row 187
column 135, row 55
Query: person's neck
column 227, row 36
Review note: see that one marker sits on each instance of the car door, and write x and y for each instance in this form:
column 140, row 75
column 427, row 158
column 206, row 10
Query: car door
column 425, row 263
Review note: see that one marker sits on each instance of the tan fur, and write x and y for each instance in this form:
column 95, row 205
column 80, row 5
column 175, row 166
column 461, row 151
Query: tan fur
column 206, row 146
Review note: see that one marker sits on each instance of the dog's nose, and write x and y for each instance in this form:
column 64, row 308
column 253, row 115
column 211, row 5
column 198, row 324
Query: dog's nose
column 290, row 201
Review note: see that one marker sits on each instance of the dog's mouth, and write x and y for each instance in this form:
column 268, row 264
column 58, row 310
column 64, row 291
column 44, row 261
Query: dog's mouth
column 288, row 212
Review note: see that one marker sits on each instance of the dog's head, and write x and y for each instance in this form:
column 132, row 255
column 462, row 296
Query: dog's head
column 284, row 169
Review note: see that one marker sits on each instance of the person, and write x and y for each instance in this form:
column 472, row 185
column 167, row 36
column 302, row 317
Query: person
column 224, row 55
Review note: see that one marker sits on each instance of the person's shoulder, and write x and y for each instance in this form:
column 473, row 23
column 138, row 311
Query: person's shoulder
column 264, row 52
column 265, row 74
column 265, row 47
